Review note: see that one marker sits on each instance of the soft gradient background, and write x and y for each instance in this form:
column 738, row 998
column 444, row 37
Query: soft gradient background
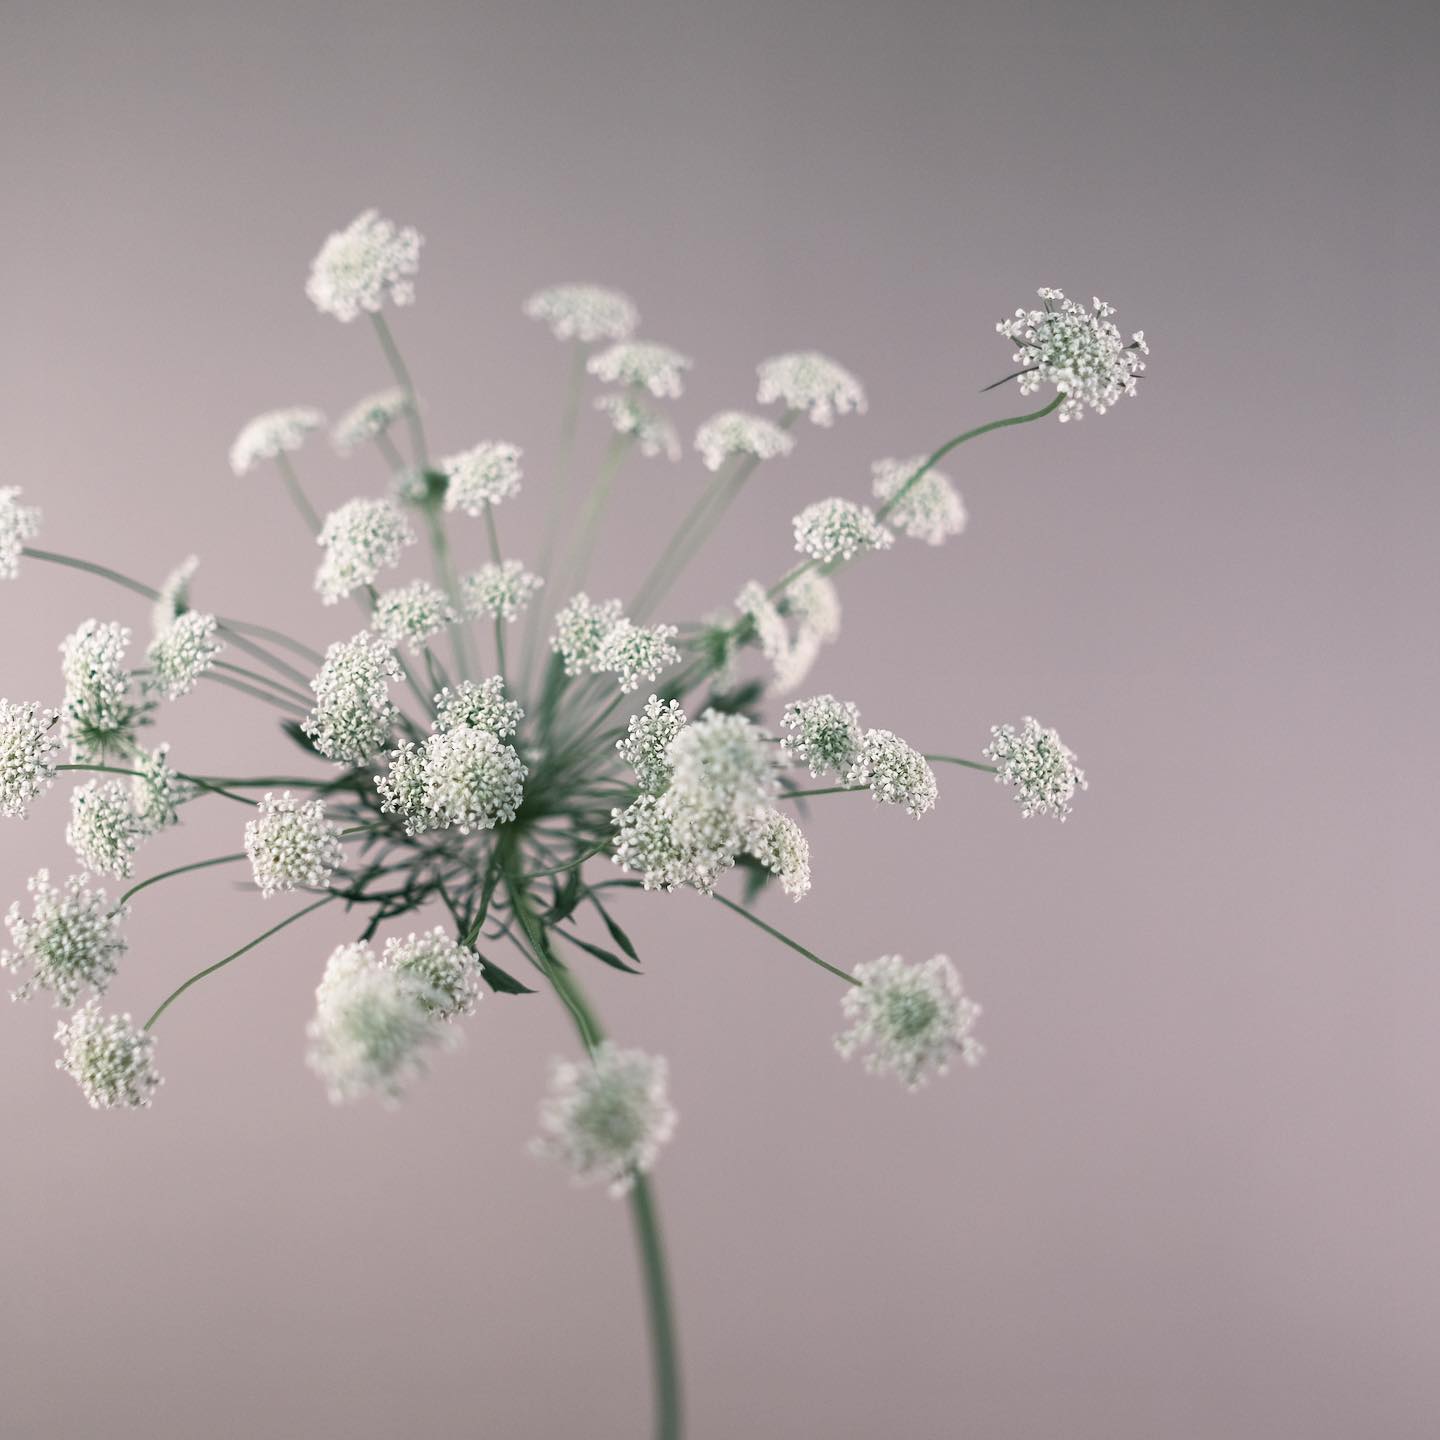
column 1192, row 1192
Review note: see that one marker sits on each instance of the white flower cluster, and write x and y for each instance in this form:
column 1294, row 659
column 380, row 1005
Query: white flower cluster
column 811, row 603
column 448, row 971
column 598, row 639
column 362, row 266
column 369, row 419
column 18, row 523
column 182, row 653
column 483, row 475
column 808, row 382
column 586, row 313
column 173, row 598
column 111, row 1060
column 292, row 844
column 360, row 538
column 836, row 529
column 98, row 714
column 643, row 364
column 156, row 791
column 411, row 614
column 910, row 1020
column 629, row 415
column 1039, row 765
column 930, row 509
column 733, row 432
column 779, row 844
column 104, row 829
column 608, row 1116
column 500, row 591
column 353, row 713
column 481, row 704
column 29, row 746
column 272, row 434
column 70, row 942
column 1080, row 352
column 645, row 748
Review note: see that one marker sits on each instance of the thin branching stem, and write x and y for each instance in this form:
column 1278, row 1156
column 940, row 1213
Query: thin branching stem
column 784, row 939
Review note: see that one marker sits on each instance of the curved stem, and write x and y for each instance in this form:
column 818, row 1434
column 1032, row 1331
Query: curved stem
column 280, row 688
column 587, row 531
column 450, row 584
column 785, row 939
column 179, row 870
column 277, row 636
column 826, row 790
column 297, row 493
column 254, row 691
column 968, row 764
column 420, row 454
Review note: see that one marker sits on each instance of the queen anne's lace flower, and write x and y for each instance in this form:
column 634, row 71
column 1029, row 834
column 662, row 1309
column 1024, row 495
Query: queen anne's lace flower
column 97, row 715
column 362, row 266
column 646, row 747
column 156, row 791
column 630, row 415
column 292, row 843
column 771, row 631
column 403, row 789
column 1039, row 765
column 500, row 591
column 810, row 603
column 18, row 523
column 733, row 432
column 930, row 510
column 586, row 313
column 607, row 1117
column 372, row 1025
column 780, row 845
column 104, row 828
column 807, row 381
column 580, row 631
column 909, row 1019
column 180, row 656
column 1080, row 352
column 481, row 704
column 411, row 614
column 369, row 419
column 29, row 746
column 642, row 363
column 825, row 734
column 637, row 652
column 361, row 538
column 447, row 971
column 645, row 843
column 272, row 434
column 484, row 475
column 353, row 713
column 836, row 529
column 897, row 773
column 473, row 781
column 173, row 601
column 70, row 943
column 111, row 1060
column 814, row 602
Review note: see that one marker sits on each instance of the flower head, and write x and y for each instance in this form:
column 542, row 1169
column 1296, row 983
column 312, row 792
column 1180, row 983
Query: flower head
column 836, row 529
column 272, row 434
column 500, row 591
column 637, row 652
column 98, row 714
column 362, row 266
column 608, row 1116
column 403, row 789
column 807, row 381
column 628, row 414
column 156, row 791
column 292, row 843
column 897, row 773
column 70, row 943
column 733, row 432
column 780, row 845
column 580, row 631
column 473, row 780
column 353, row 713
column 448, row 973
column 1080, row 352
column 484, row 475
column 824, row 734
column 724, row 778
column 479, row 703
column 180, row 656
column 361, row 538
column 173, row 601
column 645, row 842
column 1039, row 765
column 646, row 747
column 411, row 614
column 814, row 602
column 18, row 523
column 369, row 419
column 104, row 828
column 111, row 1060
column 29, row 746
column 642, row 363
column 909, row 1019
column 930, row 509
column 586, row 313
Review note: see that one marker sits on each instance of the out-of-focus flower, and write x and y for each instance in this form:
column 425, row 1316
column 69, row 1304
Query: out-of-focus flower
column 360, row 538
column 501, row 591
column 411, row 614
column 18, row 523
column 586, row 313
column 363, row 266
column 483, row 475
column 733, row 432
column 809, row 382
column 656, row 368
column 930, row 509
column 369, row 419
column 837, row 529
column 275, row 433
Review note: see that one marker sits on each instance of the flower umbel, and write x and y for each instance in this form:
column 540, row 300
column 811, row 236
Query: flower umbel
column 733, row 432
column 1039, row 765
column 930, row 509
column 812, row 384
column 275, row 433
column 359, row 268
column 70, row 942
column 29, row 747
column 353, row 714
column 360, row 539
column 586, row 313
column 18, row 523
column 643, row 364
column 180, row 656
column 111, row 1061
column 836, row 529
column 104, row 828
column 292, row 843
column 484, row 475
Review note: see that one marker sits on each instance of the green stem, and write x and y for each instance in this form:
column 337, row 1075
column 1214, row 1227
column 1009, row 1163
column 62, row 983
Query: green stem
column 260, row 678
column 785, row 939
column 826, row 790
column 179, row 870
column 569, row 864
column 968, row 764
column 493, row 531
column 278, row 637
column 297, row 493
column 420, row 453
column 254, row 691
column 587, row 531
column 450, row 584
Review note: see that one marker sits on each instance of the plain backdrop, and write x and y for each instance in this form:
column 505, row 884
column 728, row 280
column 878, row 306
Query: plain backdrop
column 1191, row 1192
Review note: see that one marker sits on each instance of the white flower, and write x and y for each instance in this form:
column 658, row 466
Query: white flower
column 792, row 655
column 372, row 1025
column 156, row 791
column 447, row 971
column 481, row 704
column 629, row 415
column 897, row 773
column 362, row 266
column 180, row 656
column 1039, row 765
column 1082, row 354
column 484, row 475
column 353, row 713
column 173, row 601
column 500, row 591
column 104, row 829
column 645, row 749
column 807, row 381
column 637, row 652
column 18, row 523
column 112, row 1061
column 814, row 601
column 97, row 715
column 29, row 745
column 369, row 419
column 411, row 614
column 360, row 539
column 836, row 529
column 909, row 1019
column 656, row 368
column 70, row 943
column 586, row 313
column 608, row 1116
column 929, row 510
column 292, row 843
column 403, row 789
column 645, row 843
column 580, row 630
column 825, row 734
column 724, row 779
column 733, row 432
column 473, row 781
column 272, row 434
column 780, row 845
column 771, row 631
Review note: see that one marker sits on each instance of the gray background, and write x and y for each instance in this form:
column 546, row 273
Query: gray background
column 1191, row 1193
